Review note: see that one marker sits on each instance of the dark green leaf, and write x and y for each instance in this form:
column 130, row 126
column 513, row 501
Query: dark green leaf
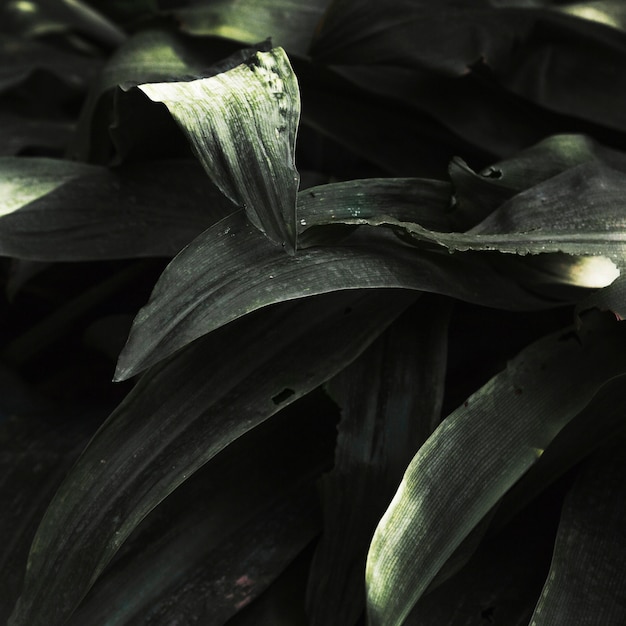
column 34, row 458
column 151, row 55
column 20, row 59
column 390, row 399
column 289, row 23
column 425, row 202
column 175, row 420
column 19, row 133
column 586, row 584
column 212, row 526
column 232, row 270
column 54, row 210
column 476, row 456
column 37, row 18
column 242, row 125
column 592, row 428
column 477, row 195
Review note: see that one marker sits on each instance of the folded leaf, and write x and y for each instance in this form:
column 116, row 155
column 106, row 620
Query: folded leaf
column 476, row 456
column 175, row 420
column 586, row 584
column 242, row 125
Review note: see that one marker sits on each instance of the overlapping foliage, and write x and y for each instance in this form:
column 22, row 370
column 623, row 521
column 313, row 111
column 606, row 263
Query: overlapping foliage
column 367, row 263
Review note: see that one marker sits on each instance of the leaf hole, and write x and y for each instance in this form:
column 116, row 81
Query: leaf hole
column 493, row 172
column 284, row 395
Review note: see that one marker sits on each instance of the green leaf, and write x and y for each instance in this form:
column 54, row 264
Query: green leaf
column 232, row 269
column 477, row 195
column 19, row 133
column 559, row 215
column 595, row 426
column 502, row 581
column 289, row 23
column 242, row 125
column 21, row 59
column 55, row 210
column 249, row 508
column 35, row 455
column 390, row 399
column 476, row 456
column 38, row 18
column 586, row 583
column 175, row 420
column 149, row 56
column 423, row 201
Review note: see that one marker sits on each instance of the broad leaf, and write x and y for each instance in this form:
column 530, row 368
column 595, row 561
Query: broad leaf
column 289, row 23
column 477, row 195
column 194, row 546
column 44, row 17
column 149, row 56
column 175, row 420
column 232, row 269
column 419, row 52
column 586, row 584
column 476, row 456
column 502, row 581
column 390, row 399
column 242, row 125
column 39, row 136
column 35, row 455
column 54, row 210
column 21, row 59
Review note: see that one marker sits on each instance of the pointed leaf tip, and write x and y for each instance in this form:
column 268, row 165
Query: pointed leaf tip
column 242, row 124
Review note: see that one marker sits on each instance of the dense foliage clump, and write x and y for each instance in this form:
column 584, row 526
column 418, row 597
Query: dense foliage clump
column 358, row 271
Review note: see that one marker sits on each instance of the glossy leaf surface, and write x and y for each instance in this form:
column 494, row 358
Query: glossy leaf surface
column 242, row 125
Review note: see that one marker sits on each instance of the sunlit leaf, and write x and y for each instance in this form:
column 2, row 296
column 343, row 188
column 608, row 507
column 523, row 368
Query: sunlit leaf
column 242, row 125
column 55, row 210
column 476, row 456
column 390, row 399
column 175, row 420
column 586, row 583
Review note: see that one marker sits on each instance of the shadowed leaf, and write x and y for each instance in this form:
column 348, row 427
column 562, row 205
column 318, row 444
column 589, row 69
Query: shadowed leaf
column 586, row 584
column 175, row 420
column 390, row 399
column 241, row 510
